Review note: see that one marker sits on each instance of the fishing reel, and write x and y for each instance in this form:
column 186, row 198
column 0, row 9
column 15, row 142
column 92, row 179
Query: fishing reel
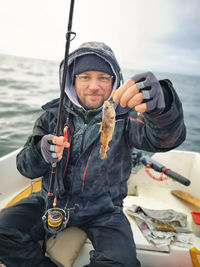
column 56, row 219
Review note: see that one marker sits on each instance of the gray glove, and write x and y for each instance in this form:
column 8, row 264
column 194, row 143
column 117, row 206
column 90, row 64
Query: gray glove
column 152, row 91
column 47, row 149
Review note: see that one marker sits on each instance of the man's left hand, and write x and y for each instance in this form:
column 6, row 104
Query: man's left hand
column 142, row 91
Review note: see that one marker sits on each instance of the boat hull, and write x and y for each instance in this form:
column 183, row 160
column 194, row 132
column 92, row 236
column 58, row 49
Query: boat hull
column 142, row 191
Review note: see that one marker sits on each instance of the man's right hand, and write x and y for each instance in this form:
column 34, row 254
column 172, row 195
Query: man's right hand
column 52, row 147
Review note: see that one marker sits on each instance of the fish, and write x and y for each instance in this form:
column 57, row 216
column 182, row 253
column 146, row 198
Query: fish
column 107, row 127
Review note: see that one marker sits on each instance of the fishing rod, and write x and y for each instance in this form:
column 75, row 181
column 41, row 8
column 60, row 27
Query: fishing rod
column 55, row 219
column 148, row 162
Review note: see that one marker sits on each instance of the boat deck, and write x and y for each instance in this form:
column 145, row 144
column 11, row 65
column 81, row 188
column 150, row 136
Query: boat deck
column 148, row 254
column 161, row 198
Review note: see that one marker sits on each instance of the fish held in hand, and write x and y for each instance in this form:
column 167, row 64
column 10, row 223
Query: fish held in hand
column 107, row 127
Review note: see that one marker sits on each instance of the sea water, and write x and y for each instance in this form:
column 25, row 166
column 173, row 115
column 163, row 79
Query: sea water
column 26, row 84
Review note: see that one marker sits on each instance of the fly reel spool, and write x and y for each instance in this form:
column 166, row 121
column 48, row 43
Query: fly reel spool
column 55, row 220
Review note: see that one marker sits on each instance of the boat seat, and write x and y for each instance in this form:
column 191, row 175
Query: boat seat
column 66, row 246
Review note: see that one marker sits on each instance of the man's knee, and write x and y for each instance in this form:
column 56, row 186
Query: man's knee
column 117, row 258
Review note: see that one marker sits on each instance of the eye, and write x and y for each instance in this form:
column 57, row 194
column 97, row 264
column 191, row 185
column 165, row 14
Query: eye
column 84, row 77
column 104, row 78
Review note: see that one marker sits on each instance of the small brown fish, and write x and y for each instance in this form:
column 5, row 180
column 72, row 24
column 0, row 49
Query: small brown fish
column 107, row 127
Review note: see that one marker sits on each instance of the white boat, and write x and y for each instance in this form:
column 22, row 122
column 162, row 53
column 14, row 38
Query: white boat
column 143, row 191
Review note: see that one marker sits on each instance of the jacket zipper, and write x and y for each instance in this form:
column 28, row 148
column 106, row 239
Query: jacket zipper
column 71, row 186
column 75, row 167
column 83, row 137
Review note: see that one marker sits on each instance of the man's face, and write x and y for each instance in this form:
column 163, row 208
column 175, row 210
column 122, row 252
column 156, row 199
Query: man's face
column 93, row 88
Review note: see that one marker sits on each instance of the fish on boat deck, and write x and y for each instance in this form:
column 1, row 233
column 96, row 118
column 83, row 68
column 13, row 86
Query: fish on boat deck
column 107, row 127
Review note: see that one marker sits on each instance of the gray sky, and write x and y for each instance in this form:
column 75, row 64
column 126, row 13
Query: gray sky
column 154, row 35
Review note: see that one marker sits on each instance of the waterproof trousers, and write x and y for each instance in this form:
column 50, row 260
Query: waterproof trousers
column 21, row 228
column 112, row 240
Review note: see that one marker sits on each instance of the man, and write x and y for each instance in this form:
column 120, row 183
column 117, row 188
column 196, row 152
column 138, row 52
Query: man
column 97, row 187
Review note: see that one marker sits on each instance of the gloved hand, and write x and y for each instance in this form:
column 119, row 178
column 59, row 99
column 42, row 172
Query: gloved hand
column 52, row 148
column 142, row 91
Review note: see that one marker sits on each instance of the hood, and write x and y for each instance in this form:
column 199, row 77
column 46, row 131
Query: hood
column 101, row 50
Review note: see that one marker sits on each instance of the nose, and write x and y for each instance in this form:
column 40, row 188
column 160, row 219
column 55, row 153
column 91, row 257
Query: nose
column 94, row 84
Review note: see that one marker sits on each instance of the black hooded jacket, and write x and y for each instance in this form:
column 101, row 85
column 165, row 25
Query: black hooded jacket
column 96, row 185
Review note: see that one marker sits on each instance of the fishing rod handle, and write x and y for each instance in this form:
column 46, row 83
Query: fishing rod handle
column 177, row 177
column 155, row 165
column 146, row 160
